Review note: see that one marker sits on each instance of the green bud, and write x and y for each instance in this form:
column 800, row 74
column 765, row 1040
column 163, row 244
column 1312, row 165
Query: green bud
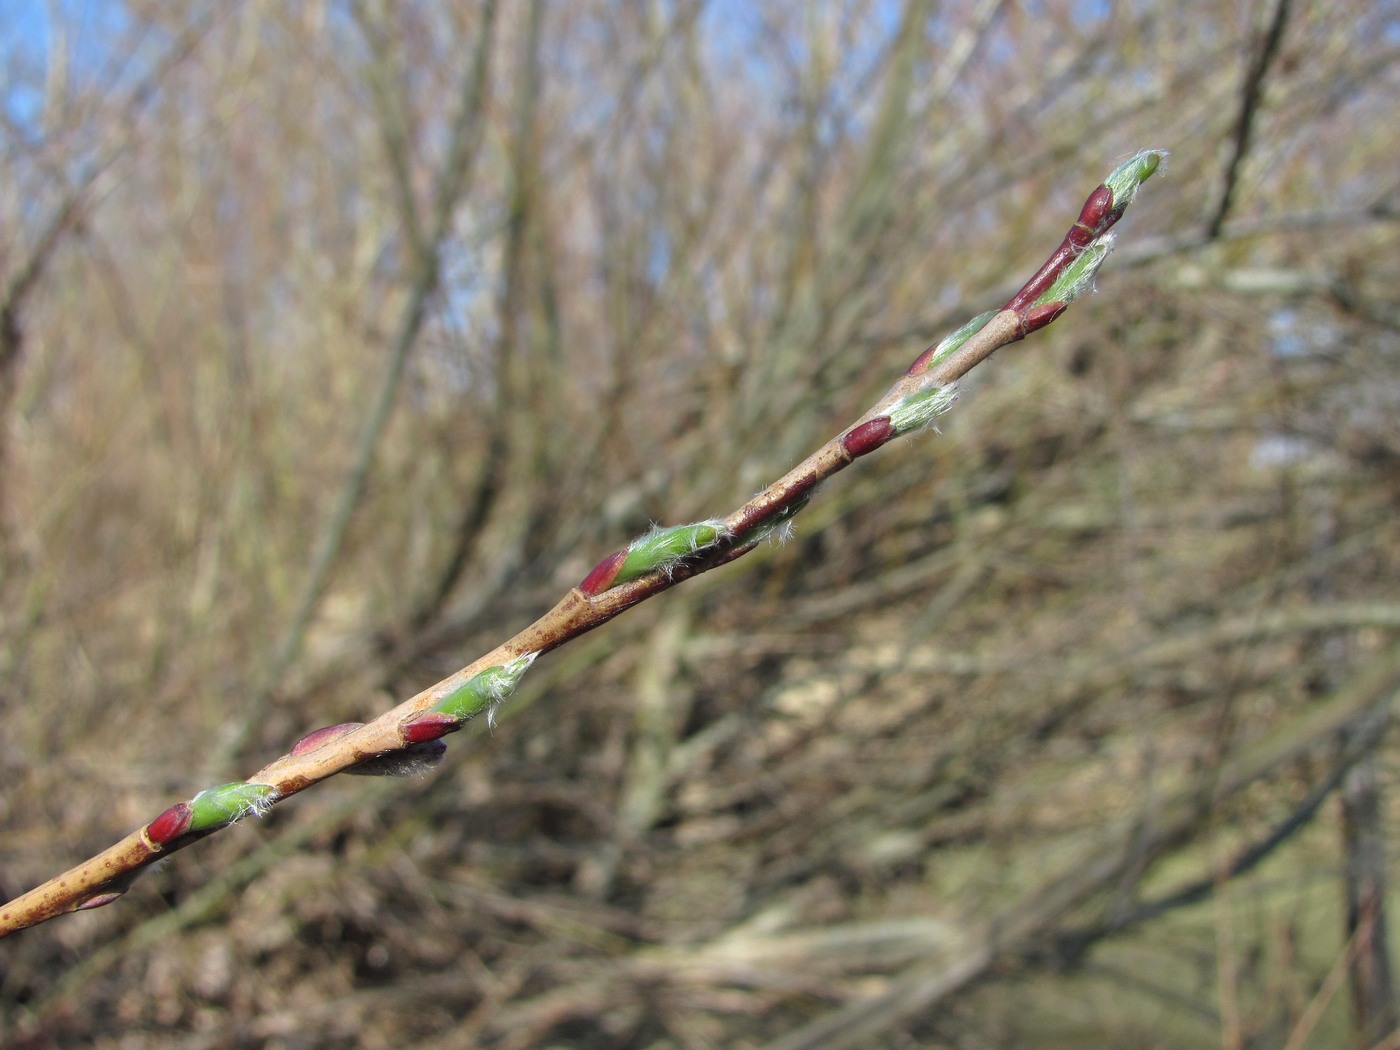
column 919, row 410
column 663, row 547
column 222, row 805
column 483, row 690
column 1078, row 277
column 952, row 342
column 1132, row 173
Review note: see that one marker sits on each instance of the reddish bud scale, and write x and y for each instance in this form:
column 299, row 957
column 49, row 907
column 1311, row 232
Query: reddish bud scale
column 170, row 825
column 320, row 737
column 1096, row 209
column 99, row 900
column 1083, row 239
column 1044, row 277
column 1039, row 316
column 428, row 726
column 870, row 435
column 1080, row 237
column 603, row 574
column 791, row 500
column 1097, row 215
column 921, row 362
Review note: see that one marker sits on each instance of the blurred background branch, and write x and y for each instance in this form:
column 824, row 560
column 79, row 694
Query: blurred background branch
column 424, row 252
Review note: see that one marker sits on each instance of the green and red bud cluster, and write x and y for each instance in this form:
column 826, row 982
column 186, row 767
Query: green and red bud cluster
column 659, row 550
column 1066, row 275
column 210, row 810
column 483, row 691
column 1104, row 207
column 912, row 412
column 949, row 344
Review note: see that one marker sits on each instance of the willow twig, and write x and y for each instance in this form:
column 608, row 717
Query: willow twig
column 409, row 737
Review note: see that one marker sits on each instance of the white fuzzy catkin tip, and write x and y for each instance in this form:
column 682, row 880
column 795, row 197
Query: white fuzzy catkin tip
column 920, row 410
column 262, row 805
column 513, row 670
column 1078, row 276
column 1126, row 179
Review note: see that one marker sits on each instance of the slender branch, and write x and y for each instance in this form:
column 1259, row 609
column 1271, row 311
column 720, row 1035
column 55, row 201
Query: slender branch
column 501, row 444
column 408, row 737
column 1249, row 107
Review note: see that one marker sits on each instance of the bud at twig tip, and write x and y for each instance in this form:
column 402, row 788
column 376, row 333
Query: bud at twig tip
column 1132, row 173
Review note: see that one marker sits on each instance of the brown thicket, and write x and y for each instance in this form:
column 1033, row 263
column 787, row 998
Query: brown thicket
column 1065, row 727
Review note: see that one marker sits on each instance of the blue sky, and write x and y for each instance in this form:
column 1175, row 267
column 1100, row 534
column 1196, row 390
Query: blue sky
column 26, row 33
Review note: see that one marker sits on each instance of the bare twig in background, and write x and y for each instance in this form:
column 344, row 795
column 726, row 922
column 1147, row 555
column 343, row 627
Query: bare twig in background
column 425, row 251
column 65, row 217
column 1099, row 867
column 1370, row 973
column 1251, row 95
